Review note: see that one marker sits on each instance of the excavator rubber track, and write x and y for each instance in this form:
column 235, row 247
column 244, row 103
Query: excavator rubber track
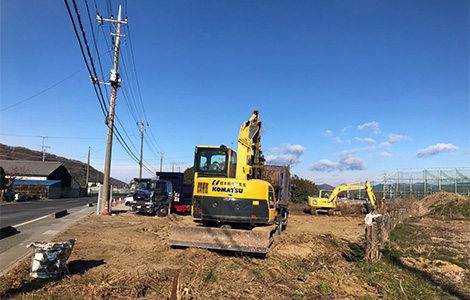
column 258, row 240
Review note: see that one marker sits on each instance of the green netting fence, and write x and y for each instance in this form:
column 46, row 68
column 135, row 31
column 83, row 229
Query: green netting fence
column 420, row 183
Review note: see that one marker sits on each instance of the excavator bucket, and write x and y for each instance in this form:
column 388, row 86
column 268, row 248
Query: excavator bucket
column 257, row 240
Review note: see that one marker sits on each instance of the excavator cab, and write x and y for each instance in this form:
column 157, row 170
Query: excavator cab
column 324, row 194
column 220, row 162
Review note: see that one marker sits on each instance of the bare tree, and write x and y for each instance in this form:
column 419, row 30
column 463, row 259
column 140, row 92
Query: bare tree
column 7, row 180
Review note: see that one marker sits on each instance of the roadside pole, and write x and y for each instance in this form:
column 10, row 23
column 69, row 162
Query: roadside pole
column 87, row 171
column 115, row 84
column 141, row 146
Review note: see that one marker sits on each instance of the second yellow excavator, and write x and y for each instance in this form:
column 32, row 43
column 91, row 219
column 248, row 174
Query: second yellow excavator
column 326, row 200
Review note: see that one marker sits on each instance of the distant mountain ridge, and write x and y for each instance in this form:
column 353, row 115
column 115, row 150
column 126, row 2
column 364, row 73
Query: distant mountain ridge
column 76, row 168
column 326, row 187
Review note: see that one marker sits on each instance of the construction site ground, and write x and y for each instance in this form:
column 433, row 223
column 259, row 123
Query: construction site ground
column 127, row 256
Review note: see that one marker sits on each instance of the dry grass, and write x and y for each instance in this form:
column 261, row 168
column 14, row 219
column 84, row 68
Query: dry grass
column 318, row 257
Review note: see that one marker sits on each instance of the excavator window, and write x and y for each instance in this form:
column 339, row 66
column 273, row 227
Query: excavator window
column 271, row 198
column 211, row 161
column 233, row 164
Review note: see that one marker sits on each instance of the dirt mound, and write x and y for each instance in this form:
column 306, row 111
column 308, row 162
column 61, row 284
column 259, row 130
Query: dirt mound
column 444, row 204
column 411, row 203
column 440, row 204
column 350, row 208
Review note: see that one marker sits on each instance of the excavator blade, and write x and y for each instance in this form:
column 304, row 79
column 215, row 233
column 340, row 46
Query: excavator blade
column 257, row 240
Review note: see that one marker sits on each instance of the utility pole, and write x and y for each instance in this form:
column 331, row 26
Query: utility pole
column 385, row 184
column 114, row 81
column 398, row 184
column 173, row 166
column 44, row 147
column 456, row 189
column 87, row 171
column 440, row 187
column 425, row 180
column 411, row 182
column 161, row 160
column 141, row 145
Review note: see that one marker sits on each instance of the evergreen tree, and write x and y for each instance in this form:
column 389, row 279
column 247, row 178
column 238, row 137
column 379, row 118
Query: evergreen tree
column 188, row 176
column 303, row 189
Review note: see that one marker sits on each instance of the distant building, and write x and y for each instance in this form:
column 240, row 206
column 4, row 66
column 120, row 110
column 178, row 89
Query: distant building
column 38, row 173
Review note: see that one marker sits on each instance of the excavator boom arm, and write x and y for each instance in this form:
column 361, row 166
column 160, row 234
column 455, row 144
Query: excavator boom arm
column 352, row 187
column 249, row 148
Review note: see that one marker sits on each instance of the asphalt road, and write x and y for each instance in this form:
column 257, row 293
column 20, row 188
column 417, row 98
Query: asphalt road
column 15, row 213
column 34, row 223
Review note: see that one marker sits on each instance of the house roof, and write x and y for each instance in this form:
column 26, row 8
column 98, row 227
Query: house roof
column 29, row 168
column 52, row 183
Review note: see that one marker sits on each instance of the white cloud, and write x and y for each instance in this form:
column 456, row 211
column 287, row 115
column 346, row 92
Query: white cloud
column 346, row 153
column 369, row 148
column 283, row 159
column 395, row 138
column 344, row 164
column 328, row 133
column 435, row 149
column 338, row 140
column 372, row 128
column 351, row 152
column 385, row 154
column 366, row 140
column 287, row 154
column 385, row 145
column 294, row 148
column 343, row 131
column 324, row 165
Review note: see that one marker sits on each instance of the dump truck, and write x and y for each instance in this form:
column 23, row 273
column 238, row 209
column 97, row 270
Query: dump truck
column 182, row 193
column 152, row 196
column 238, row 202
column 326, row 200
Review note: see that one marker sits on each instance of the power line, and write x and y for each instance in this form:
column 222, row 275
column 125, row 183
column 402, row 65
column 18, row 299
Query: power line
column 135, row 148
column 151, row 148
column 43, row 91
column 93, row 75
column 135, row 71
column 96, row 44
column 54, row 137
column 138, row 87
column 102, row 104
column 133, row 64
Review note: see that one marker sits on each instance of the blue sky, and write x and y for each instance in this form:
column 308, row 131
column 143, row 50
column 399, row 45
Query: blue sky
column 346, row 90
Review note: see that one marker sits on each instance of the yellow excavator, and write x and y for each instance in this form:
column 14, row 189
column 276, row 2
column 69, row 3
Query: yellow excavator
column 326, row 200
column 238, row 201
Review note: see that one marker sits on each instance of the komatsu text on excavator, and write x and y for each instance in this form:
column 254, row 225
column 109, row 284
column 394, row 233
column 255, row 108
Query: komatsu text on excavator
column 326, row 200
column 238, row 201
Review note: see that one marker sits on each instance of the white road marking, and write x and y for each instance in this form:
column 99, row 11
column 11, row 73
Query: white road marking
column 31, row 221
column 51, row 232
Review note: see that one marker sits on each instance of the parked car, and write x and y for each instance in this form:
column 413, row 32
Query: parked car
column 129, row 199
column 21, row 198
